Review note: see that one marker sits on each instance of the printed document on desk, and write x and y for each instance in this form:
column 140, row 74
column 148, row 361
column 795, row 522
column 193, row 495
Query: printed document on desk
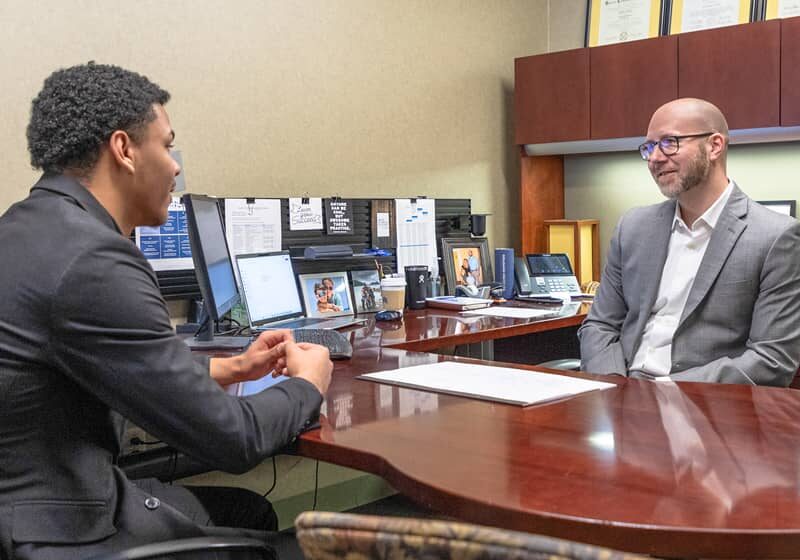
column 416, row 234
column 499, row 384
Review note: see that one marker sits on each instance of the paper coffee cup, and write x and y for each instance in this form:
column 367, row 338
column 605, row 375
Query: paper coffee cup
column 393, row 291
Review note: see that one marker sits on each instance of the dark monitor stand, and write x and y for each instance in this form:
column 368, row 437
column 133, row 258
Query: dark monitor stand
column 204, row 338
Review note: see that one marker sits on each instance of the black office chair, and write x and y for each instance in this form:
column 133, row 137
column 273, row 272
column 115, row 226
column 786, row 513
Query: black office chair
column 230, row 547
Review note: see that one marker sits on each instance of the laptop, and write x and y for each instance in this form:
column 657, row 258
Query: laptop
column 272, row 298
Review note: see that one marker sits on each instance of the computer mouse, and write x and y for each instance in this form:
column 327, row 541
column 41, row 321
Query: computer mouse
column 388, row 315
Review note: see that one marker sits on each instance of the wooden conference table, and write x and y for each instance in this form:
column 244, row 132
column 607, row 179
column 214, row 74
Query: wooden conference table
column 676, row 470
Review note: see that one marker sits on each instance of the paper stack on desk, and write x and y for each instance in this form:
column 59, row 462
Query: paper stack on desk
column 499, row 384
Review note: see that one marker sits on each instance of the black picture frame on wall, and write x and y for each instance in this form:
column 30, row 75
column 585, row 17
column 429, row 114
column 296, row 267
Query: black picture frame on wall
column 785, row 207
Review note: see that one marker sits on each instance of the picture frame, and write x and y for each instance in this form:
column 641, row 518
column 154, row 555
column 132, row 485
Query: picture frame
column 326, row 294
column 466, row 262
column 612, row 22
column 366, row 286
column 696, row 15
column 778, row 9
column 785, row 207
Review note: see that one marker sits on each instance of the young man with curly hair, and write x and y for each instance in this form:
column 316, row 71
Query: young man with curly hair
column 85, row 338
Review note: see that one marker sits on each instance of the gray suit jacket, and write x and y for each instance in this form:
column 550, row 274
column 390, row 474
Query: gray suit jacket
column 741, row 323
column 84, row 331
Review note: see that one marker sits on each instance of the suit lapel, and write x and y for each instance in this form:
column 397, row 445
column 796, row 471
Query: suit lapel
column 653, row 261
column 727, row 231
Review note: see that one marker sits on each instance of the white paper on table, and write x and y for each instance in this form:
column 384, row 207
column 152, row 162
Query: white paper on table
column 416, row 234
column 253, row 225
column 305, row 216
column 515, row 312
column 506, row 385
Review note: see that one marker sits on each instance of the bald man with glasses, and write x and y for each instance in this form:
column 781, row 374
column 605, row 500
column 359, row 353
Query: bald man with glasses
column 704, row 286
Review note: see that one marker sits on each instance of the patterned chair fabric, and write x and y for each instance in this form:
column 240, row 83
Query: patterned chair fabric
column 325, row 536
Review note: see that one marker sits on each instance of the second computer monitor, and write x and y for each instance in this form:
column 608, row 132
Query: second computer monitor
column 212, row 260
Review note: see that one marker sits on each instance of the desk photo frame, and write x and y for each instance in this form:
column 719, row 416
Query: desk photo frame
column 466, row 262
column 326, row 294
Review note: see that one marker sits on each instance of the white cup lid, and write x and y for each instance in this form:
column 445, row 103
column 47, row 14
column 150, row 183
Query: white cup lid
column 391, row 282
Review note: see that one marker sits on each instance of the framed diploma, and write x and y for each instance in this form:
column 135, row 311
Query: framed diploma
column 617, row 22
column 694, row 15
column 781, row 8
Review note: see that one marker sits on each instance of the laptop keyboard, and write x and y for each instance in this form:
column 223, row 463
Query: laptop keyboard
column 336, row 343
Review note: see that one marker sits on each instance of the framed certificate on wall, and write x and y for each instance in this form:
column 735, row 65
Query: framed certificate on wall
column 781, row 8
column 694, row 15
column 618, row 22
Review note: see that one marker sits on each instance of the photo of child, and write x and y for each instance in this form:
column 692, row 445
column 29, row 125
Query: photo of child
column 326, row 294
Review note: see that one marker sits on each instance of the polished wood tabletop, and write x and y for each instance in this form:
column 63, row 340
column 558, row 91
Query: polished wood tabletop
column 668, row 469
column 430, row 329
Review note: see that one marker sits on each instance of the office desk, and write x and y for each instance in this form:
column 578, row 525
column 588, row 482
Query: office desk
column 668, row 469
column 429, row 329
column 426, row 329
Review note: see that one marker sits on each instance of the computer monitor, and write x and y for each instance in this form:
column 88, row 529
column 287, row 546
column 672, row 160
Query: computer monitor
column 214, row 270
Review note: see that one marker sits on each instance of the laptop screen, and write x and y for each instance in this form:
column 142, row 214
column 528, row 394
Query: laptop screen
column 553, row 264
column 268, row 287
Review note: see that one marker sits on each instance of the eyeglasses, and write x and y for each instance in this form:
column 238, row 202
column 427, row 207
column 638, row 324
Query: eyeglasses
column 669, row 145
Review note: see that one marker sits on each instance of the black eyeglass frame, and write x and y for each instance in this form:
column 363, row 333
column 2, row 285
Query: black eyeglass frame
column 646, row 149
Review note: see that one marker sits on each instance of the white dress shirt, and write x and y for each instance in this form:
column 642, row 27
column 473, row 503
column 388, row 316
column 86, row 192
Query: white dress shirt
column 687, row 245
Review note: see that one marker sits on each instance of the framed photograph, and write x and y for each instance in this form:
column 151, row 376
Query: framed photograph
column 326, row 294
column 618, row 22
column 786, row 207
column 694, row 15
column 367, row 290
column 466, row 262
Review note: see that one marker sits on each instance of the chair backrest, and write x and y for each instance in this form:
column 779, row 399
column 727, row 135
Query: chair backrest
column 325, row 536
column 194, row 548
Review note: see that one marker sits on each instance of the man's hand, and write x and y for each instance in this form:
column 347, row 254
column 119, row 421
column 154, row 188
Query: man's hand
column 310, row 362
column 266, row 354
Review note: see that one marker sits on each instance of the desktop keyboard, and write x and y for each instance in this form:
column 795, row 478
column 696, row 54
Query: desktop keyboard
column 336, row 343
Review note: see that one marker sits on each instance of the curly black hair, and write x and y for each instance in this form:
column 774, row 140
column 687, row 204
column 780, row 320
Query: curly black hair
column 80, row 107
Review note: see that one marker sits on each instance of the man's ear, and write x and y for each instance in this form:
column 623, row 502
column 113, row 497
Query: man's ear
column 120, row 146
column 717, row 147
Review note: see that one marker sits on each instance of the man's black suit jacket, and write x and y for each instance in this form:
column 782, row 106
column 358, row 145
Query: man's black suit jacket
column 84, row 331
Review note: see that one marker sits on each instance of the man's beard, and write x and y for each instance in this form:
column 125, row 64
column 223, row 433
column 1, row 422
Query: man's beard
column 695, row 173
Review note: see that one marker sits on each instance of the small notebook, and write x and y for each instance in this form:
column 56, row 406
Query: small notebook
column 457, row 303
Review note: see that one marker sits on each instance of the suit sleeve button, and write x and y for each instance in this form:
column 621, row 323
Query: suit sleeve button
column 152, row 503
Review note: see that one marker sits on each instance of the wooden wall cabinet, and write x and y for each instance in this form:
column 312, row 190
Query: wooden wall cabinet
column 628, row 82
column 790, row 72
column 737, row 69
column 551, row 97
column 751, row 72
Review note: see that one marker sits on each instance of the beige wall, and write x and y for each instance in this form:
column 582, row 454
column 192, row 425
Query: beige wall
column 277, row 97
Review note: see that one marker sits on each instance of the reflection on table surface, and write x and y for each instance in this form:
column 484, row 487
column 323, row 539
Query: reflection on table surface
column 663, row 468
column 428, row 329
